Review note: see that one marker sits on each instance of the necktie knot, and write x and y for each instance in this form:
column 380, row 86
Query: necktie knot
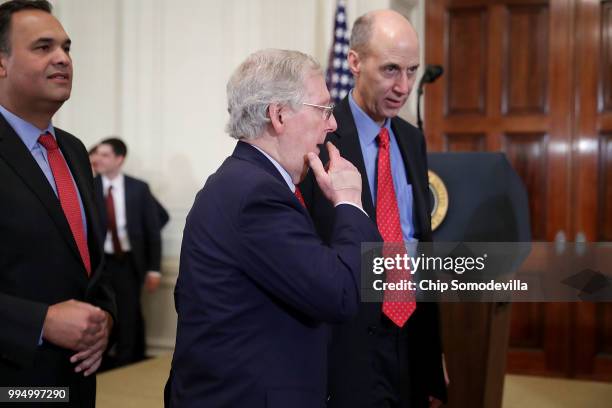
column 383, row 138
column 299, row 196
column 48, row 142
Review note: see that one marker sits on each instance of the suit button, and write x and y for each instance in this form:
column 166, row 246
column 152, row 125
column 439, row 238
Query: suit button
column 371, row 330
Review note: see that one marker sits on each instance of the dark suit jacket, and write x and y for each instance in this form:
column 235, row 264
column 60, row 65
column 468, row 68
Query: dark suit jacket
column 163, row 215
column 40, row 264
column 143, row 226
column 255, row 286
column 352, row 346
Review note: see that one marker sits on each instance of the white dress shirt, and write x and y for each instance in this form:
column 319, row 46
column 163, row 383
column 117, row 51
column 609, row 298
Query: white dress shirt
column 118, row 184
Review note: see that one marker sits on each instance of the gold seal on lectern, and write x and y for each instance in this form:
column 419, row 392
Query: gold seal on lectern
column 440, row 199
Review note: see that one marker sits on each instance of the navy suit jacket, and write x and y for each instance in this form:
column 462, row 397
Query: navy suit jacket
column 255, row 289
column 143, row 223
column 352, row 349
column 40, row 265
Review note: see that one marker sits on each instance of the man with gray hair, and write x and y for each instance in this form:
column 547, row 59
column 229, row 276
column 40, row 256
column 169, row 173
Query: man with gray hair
column 391, row 355
column 256, row 284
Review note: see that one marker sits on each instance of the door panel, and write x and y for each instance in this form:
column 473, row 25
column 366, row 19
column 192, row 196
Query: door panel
column 592, row 357
column 533, row 79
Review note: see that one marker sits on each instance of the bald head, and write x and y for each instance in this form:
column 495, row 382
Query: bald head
column 381, row 25
column 384, row 58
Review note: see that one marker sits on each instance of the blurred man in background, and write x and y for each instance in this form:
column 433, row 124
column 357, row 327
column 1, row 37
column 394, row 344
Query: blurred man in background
column 130, row 219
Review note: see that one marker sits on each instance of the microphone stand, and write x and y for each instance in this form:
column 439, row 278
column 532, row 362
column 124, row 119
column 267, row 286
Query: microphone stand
column 432, row 72
column 419, row 94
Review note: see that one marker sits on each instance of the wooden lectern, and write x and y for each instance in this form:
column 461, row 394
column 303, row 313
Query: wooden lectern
column 487, row 202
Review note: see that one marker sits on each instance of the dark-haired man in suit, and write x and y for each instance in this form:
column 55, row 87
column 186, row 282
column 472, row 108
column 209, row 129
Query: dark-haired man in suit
column 132, row 243
column 56, row 304
column 390, row 356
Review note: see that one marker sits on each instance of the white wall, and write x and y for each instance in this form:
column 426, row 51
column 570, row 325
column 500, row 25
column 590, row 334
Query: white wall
column 154, row 73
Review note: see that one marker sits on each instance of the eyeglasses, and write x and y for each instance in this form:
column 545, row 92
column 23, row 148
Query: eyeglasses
column 327, row 110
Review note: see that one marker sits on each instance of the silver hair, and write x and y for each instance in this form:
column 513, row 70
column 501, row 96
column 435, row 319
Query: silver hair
column 361, row 33
column 265, row 77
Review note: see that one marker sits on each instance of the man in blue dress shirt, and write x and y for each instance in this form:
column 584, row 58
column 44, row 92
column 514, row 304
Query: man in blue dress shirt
column 374, row 361
column 56, row 305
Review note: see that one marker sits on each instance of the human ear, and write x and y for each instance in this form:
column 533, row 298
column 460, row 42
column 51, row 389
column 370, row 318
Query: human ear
column 354, row 62
column 275, row 113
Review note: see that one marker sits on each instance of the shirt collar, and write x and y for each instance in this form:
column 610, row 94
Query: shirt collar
column 26, row 131
column 366, row 127
column 282, row 171
column 117, row 182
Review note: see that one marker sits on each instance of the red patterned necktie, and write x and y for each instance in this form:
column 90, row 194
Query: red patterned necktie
column 112, row 223
column 299, row 196
column 398, row 305
column 68, row 196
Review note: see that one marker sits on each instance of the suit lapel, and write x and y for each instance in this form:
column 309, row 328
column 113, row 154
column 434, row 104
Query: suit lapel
column 245, row 151
column 82, row 178
column 99, row 193
column 17, row 155
column 347, row 141
column 100, row 215
column 409, row 150
column 130, row 209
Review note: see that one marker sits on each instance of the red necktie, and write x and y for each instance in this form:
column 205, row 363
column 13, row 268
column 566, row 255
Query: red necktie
column 112, row 223
column 397, row 305
column 68, row 196
column 299, row 196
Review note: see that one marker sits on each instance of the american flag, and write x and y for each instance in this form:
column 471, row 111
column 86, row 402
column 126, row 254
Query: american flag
column 339, row 78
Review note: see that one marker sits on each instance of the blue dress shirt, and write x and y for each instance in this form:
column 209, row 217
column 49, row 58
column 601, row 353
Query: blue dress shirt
column 29, row 135
column 368, row 130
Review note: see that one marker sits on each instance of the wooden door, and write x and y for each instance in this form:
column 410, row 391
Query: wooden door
column 526, row 77
column 592, row 168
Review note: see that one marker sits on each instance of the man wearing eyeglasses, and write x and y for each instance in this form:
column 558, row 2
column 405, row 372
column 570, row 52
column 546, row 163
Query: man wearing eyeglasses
column 390, row 356
column 256, row 284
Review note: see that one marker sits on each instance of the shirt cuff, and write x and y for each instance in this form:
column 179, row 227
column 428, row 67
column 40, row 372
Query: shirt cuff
column 156, row 273
column 354, row 205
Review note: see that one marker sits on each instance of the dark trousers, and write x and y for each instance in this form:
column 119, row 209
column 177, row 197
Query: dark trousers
column 129, row 327
column 391, row 373
column 388, row 382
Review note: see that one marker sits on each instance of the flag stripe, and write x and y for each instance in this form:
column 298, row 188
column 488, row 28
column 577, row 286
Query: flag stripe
column 338, row 77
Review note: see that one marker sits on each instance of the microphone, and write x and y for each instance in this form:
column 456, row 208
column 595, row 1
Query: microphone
column 432, row 72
